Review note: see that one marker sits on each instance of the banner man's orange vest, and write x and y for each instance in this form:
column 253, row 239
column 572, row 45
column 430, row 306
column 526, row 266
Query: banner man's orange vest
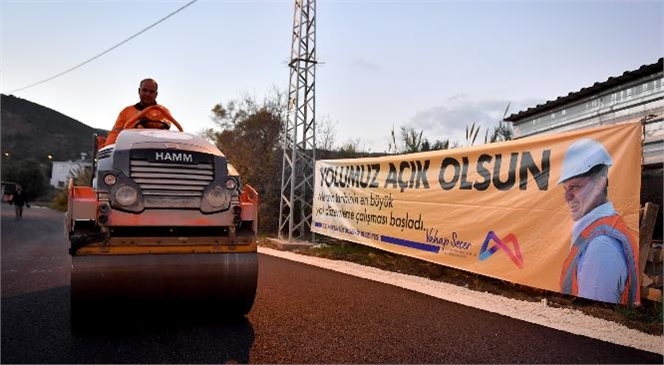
column 615, row 227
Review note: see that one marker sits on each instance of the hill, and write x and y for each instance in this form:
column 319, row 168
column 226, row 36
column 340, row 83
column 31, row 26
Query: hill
column 32, row 131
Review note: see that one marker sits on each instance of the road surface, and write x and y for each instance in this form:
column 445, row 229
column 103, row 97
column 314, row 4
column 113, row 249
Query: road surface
column 302, row 314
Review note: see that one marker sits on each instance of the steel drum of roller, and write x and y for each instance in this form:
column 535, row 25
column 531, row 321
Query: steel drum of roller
column 227, row 281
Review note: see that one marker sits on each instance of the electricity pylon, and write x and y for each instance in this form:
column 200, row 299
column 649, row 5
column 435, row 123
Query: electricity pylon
column 297, row 176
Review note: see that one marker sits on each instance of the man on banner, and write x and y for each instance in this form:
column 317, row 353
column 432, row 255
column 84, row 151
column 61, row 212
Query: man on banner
column 603, row 260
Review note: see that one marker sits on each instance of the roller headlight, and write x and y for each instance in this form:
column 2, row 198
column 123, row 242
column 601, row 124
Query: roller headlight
column 231, row 184
column 216, row 197
column 110, row 179
column 126, row 195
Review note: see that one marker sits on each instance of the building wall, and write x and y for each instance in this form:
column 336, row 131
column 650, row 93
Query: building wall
column 641, row 99
column 63, row 170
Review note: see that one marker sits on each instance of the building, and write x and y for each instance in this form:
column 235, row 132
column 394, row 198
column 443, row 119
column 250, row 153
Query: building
column 634, row 95
column 63, row 170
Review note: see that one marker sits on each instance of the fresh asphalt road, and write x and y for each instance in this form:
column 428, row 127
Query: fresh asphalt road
column 302, row 314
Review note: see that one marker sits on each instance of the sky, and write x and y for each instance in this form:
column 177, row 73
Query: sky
column 434, row 66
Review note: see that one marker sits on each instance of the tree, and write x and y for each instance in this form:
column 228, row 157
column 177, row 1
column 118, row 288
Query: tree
column 226, row 118
column 250, row 135
column 502, row 132
column 409, row 140
column 29, row 174
column 438, row 145
column 350, row 149
column 412, row 141
column 325, row 138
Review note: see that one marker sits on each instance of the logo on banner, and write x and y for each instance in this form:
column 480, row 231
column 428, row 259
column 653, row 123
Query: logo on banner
column 514, row 254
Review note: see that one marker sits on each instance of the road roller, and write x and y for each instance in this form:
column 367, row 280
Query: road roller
column 166, row 220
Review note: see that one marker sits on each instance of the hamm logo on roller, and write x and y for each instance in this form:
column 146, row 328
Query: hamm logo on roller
column 514, row 255
column 174, row 157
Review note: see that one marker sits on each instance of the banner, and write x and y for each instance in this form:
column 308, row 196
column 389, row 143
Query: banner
column 529, row 211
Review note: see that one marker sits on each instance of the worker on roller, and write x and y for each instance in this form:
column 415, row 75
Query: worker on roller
column 603, row 258
column 147, row 92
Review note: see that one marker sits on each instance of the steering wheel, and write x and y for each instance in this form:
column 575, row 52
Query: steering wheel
column 154, row 113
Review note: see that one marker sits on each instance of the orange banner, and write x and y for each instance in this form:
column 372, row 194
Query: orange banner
column 536, row 211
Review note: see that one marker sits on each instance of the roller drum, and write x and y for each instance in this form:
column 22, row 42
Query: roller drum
column 224, row 281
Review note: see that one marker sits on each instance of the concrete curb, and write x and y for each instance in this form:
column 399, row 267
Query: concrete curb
column 283, row 245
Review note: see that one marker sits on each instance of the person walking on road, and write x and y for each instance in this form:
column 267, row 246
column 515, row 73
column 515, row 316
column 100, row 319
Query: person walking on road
column 19, row 199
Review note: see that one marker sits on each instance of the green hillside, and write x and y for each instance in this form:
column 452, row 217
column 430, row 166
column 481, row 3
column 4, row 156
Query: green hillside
column 32, row 131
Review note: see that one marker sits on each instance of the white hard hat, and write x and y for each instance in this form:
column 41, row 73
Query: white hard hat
column 582, row 156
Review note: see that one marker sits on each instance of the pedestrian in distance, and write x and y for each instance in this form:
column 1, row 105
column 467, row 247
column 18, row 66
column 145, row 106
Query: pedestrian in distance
column 19, row 198
column 603, row 258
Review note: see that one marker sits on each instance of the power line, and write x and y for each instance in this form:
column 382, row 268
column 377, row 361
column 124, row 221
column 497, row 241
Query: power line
column 105, row 52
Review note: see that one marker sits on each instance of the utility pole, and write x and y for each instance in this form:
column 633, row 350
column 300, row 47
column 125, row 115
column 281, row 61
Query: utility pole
column 297, row 177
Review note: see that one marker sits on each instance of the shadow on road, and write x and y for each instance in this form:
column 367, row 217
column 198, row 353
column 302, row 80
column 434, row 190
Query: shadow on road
column 36, row 329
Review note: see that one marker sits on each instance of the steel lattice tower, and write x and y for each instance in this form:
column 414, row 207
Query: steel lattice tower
column 297, row 177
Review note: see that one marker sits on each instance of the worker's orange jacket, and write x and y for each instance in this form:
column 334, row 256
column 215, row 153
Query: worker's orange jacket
column 126, row 114
column 123, row 117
